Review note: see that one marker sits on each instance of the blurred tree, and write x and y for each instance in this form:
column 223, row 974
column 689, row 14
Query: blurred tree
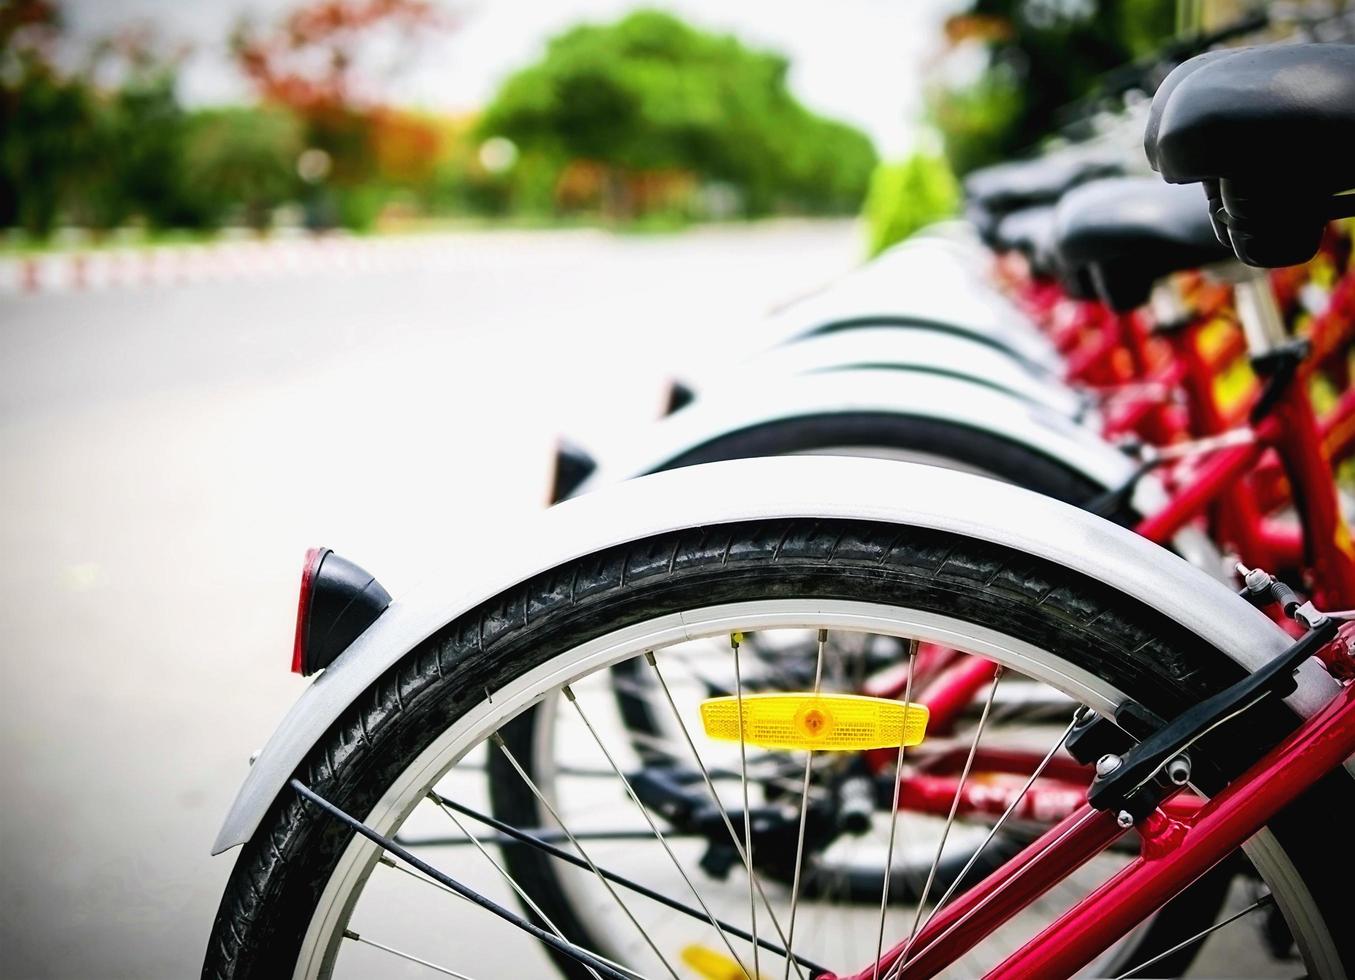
column 907, row 196
column 241, row 158
column 651, row 93
column 1040, row 55
column 317, row 62
column 43, row 118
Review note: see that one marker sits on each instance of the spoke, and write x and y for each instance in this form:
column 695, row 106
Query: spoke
column 724, row 814
column 804, row 809
column 512, row 883
column 950, row 818
column 446, row 971
column 531, row 785
column 668, row 902
column 1011, row 808
column 489, row 905
column 893, row 816
column 644, row 812
column 387, row 862
column 1264, row 900
column 747, row 813
column 540, row 833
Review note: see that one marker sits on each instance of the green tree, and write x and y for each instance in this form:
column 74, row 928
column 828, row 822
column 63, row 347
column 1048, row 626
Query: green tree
column 650, row 92
column 44, row 144
column 1042, row 55
column 907, row 196
column 241, row 158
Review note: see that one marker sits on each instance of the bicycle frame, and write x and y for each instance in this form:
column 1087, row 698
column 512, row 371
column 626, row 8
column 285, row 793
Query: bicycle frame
column 1305, row 449
column 1176, row 850
column 1293, row 433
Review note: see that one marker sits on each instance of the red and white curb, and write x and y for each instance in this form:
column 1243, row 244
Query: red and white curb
column 213, row 262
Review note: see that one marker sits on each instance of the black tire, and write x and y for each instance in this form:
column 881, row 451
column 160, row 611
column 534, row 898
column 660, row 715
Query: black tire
column 977, row 449
column 275, row 885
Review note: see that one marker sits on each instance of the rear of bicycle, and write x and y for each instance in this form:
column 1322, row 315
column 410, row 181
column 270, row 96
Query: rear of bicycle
column 685, row 778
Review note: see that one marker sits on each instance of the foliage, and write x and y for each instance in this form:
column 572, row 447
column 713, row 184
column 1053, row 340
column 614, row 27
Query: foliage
column 651, row 93
column 241, row 158
column 907, row 196
column 311, row 63
column 42, row 129
column 645, row 119
column 1041, row 55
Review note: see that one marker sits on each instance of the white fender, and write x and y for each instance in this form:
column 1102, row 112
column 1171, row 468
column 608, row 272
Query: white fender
column 916, row 349
column 921, row 284
column 747, row 400
column 780, row 487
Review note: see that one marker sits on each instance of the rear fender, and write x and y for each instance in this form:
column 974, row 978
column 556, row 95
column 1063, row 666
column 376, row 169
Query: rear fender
column 827, row 488
column 919, row 349
column 743, row 403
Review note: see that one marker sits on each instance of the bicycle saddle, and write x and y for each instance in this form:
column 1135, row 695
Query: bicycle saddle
column 1029, row 231
column 1131, row 231
column 1007, row 187
column 1268, row 131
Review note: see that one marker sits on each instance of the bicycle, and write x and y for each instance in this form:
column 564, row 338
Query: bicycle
column 849, row 546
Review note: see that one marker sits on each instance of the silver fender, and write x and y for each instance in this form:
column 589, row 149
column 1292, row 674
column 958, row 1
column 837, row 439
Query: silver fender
column 916, row 349
column 920, row 286
column 819, row 487
column 745, row 401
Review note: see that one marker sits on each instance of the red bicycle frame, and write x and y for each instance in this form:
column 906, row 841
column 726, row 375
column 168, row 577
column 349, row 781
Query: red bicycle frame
column 1177, row 848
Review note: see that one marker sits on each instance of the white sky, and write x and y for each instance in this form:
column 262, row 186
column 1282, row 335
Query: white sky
column 863, row 61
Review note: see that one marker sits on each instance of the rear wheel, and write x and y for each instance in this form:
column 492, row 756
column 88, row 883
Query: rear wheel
column 304, row 889
column 914, row 439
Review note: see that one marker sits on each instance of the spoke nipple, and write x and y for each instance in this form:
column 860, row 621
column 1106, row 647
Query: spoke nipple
column 823, row 636
column 735, row 639
column 1125, row 819
column 1107, row 764
column 496, row 738
column 387, row 861
column 350, row 934
column 649, row 658
column 1178, row 771
column 567, row 692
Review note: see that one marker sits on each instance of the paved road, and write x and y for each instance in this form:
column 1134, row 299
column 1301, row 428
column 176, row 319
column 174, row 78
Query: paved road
column 166, row 454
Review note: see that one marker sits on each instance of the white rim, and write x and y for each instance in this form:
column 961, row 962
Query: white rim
column 325, row 934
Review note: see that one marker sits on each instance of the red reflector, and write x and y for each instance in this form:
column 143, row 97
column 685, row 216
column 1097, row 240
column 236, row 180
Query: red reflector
column 314, row 556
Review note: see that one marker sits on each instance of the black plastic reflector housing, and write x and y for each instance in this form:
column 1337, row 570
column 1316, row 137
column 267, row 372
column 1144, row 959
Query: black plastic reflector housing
column 572, row 466
column 338, row 601
column 680, row 395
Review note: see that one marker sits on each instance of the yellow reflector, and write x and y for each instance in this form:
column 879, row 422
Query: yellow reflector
column 822, row 722
column 711, row 964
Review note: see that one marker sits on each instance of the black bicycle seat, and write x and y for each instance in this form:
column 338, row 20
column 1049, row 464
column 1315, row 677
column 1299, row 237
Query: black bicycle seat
column 1131, row 231
column 1268, row 130
column 1007, row 187
column 1029, row 231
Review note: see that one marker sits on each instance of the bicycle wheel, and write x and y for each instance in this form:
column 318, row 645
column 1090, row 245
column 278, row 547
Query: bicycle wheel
column 952, row 446
column 306, row 894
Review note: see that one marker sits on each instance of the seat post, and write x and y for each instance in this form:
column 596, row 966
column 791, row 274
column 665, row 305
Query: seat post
column 1259, row 313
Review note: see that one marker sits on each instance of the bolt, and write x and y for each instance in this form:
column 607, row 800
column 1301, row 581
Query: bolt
column 1178, row 770
column 1125, row 819
column 1107, row 764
